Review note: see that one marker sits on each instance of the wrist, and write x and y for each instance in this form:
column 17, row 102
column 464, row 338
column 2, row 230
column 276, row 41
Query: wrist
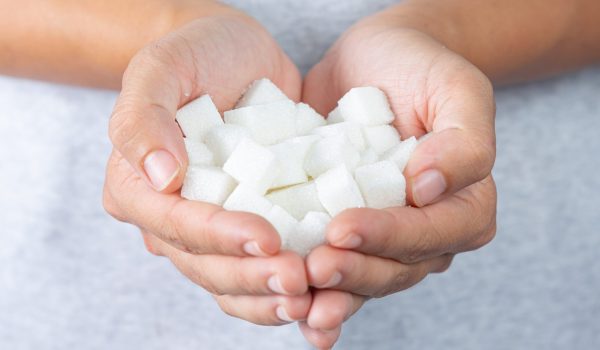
column 420, row 16
column 181, row 12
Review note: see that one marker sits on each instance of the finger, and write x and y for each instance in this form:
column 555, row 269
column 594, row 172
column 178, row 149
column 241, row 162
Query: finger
column 346, row 270
column 266, row 310
column 461, row 222
column 320, row 339
column 461, row 149
column 142, row 126
column 331, row 308
column 220, row 275
column 195, row 227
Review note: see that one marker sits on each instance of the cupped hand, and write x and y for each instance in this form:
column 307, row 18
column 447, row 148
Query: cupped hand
column 234, row 255
column 373, row 253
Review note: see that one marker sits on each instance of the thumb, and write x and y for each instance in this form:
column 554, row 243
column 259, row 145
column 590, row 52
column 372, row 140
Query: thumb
column 460, row 150
column 142, row 127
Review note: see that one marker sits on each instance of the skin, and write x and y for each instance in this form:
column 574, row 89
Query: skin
column 434, row 59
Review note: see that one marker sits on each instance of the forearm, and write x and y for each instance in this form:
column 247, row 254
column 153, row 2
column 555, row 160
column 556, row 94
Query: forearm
column 85, row 42
column 510, row 40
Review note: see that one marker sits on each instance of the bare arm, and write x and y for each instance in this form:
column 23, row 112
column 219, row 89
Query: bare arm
column 510, row 40
column 85, row 42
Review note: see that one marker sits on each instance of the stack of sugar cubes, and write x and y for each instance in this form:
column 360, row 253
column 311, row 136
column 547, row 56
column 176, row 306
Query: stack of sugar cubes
column 285, row 162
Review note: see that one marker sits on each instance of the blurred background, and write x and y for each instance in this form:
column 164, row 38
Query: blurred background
column 73, row 277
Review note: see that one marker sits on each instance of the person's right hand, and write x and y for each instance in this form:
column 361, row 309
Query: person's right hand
column 233, row 255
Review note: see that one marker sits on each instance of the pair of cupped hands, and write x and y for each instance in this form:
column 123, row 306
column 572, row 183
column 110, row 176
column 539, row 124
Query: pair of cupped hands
column 369, row 253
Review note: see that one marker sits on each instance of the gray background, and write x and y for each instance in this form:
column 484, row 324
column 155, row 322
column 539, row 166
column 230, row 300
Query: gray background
column 71, row 277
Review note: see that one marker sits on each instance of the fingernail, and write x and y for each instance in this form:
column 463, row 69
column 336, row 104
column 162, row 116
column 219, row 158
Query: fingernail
column 252, row 248
column 275, row 285
column 333, row 281
column 161, row 167
column 283, row 315
column 350, row 242
column 428, row 186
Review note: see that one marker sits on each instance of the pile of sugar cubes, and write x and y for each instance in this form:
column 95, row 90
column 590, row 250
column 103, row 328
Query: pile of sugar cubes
column 285, row 162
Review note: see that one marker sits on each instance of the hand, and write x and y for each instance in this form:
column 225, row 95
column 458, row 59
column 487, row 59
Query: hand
column 373, row 253
column 234, row 255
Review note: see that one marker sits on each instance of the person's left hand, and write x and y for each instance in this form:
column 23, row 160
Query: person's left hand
column 374, row 253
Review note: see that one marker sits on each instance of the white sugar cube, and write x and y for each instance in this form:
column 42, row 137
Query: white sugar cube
column 381, row 138
column 298, row 200
column 268, row 123
column 198, row 117
column 368, row 156
column 253, row 165
column 198, row 153
column 400, row 154
column 366, row 106
column 245, row 198
column 207, row 184
column 338, row 191
column 223, row 139
column 352, row 130
column 284, row 223
column 290, row 156
column 330, row 152
column 381, row 184
column 309, row 233
column 261, row 92
column 335, row 116
column 307, row 119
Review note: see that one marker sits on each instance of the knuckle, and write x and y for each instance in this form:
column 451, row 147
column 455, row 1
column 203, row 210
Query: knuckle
column 125, row 127
column 445, row 265
column 423, row 247
column 225, row 305
column 207, row 283
column 172, row 227
column 489, row 235
column 244, row 284
column 110, row 206
column 397, row 283
column 483, row 156
column 150, row 245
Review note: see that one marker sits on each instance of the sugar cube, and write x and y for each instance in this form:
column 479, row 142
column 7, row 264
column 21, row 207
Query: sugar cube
column 368, row 156
column 309, row 233
column 207, row 184
column 284, row 223
column 261, row 92
column 245, row 198
column 335, row 116
column 253, row 165
column 338, row 191
column 198, row 153
column 298, row 200
column 366, row 106
column 198, row 117
column 330, row 152
column 268, row 123
column 307, row 119
column 400, row 154
column 381, row 184
column 223, row 139
column 290, row 156
column 352, row 130
column 381, row 138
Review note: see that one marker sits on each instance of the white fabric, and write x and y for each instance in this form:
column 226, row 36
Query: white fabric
column 71, row 277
